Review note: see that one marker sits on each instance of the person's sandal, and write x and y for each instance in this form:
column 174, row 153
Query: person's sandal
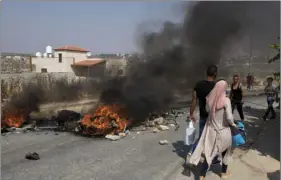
column 225, row 175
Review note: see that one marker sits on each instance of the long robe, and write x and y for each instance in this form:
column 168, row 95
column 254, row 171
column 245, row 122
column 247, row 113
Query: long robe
column 216, row 137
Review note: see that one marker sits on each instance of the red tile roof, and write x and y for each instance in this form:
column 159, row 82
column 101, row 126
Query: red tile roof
column 71, row 48
column 88, row 63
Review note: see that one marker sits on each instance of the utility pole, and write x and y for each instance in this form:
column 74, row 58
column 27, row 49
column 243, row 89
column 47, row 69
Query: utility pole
column 250, row 54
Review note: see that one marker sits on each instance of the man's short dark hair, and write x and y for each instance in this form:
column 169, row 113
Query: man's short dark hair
column 235, row 75
column 270, row 78
column 212, row 70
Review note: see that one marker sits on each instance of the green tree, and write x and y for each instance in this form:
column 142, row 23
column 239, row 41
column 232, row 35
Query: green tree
column 277, row 56
column 276, row 75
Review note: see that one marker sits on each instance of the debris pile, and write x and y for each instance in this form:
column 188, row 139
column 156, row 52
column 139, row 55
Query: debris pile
column 67, row 120
column 163, row 119
column 107, row 119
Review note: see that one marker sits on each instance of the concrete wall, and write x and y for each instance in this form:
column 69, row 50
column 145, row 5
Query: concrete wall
column 52, row 64
column 97, row 71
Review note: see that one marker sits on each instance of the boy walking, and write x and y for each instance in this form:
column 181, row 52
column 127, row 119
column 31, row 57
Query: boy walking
column 272, row 95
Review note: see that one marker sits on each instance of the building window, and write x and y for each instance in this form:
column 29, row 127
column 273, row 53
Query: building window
column 60, row 57
column 44, row 70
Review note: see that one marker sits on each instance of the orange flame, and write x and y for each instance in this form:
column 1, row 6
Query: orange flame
column 12, row 119
column 106, row 119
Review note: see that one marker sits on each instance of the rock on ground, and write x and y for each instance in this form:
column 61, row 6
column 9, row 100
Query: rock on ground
column 112, row 137
column 163, row 142
column 156, row 130
column 163, row 128
column 159, row 120
column 32, row 156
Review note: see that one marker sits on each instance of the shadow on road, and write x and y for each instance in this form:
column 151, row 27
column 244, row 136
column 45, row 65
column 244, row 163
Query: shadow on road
column 254, row 128
column 181, row 150
column 274, row 176
column 268, row 133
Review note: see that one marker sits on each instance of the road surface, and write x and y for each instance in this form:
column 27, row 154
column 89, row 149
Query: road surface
column 65, row 156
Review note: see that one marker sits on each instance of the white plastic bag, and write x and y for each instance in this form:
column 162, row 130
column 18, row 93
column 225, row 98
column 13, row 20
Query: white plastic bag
column 190, row 134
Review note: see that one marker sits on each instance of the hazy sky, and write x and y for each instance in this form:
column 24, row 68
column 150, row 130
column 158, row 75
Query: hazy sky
column 28, row 26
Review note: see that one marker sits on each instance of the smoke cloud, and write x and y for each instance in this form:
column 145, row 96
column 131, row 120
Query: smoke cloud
column 176, row 57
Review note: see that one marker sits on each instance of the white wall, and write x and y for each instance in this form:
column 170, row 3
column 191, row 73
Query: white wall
column 78, row 56
column 53, row 64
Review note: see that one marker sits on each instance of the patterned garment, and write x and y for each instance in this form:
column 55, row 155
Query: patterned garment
column 270, row 91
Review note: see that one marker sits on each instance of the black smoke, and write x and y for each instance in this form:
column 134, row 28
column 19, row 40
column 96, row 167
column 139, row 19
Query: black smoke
column 177, row 56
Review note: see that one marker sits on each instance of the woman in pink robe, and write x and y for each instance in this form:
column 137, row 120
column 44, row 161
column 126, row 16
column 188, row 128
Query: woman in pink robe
column 216, row 137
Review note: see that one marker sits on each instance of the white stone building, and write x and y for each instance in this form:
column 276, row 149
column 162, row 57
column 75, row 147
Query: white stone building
column 76, row 60
column 60, row 60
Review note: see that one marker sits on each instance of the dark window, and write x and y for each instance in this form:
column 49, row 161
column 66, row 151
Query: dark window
column 60, row 57
column 119, row 72
column 44, row 70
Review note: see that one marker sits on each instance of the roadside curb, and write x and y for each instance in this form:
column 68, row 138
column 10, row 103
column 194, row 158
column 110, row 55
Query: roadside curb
column 254, row 154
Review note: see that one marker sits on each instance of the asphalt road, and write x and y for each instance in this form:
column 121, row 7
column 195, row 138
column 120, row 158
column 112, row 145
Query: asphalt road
column 65, row 156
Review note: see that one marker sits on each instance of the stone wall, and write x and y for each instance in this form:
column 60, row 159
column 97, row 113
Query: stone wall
column 16, row 64
column 28, row 77
column 11, row 83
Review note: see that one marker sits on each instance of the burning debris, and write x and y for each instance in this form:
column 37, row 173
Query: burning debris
column 12, row 119
column 16, row 111
column 107, row 119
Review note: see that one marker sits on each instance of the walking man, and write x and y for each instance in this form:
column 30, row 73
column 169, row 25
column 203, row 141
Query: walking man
column 249, row 81
column 200, row 92
column 236, row 96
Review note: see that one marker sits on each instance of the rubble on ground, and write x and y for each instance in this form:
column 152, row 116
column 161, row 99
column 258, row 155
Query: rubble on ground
column 163, row 127
column 70, row 121
column 112, row 137
column 163, row 142
column 67, row 119
column 172, row 125
column 158, row 121
column 155, row 130
column 122, row 134
column 32, row 156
